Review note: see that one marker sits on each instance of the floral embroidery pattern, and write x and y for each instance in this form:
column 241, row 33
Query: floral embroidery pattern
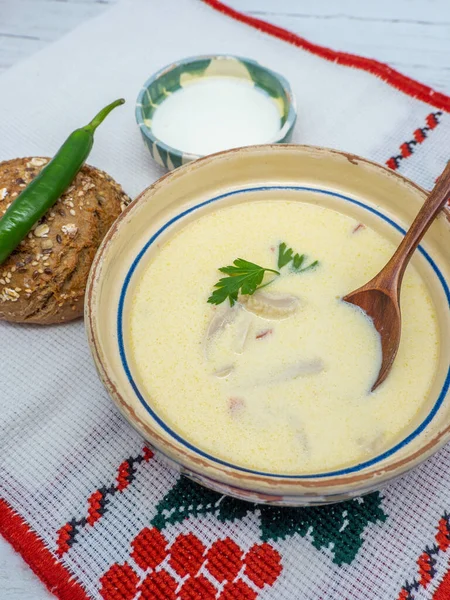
column 188, row 570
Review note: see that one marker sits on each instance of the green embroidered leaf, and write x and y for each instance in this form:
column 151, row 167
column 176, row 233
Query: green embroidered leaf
column 336, row 526
column 188, row 499
column 231, row 509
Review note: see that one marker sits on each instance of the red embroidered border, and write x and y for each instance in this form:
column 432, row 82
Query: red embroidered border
column 443, row 591
column 401, row 82
column 59, row 580
column 426, row 562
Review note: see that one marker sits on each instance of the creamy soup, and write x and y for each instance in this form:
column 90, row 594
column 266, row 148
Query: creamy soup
column 281, row 381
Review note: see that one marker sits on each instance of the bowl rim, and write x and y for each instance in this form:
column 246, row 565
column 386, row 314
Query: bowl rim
column 224, row 473
column 445, row 390
column 183, row 156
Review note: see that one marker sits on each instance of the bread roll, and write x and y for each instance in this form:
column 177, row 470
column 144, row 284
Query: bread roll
column 43, row 281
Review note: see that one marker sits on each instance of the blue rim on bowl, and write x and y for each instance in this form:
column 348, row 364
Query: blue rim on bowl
column 174, row 76
column 334, row 472
column 371, row 194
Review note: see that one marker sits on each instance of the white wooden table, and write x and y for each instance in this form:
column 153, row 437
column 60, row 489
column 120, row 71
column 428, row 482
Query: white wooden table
column 413, row 36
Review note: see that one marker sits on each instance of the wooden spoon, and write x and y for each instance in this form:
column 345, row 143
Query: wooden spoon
column 380, row 297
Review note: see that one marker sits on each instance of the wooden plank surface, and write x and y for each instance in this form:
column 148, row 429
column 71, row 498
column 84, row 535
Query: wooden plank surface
column 413, row 36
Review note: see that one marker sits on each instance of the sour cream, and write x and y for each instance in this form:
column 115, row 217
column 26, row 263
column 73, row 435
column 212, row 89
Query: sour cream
column 216, row 113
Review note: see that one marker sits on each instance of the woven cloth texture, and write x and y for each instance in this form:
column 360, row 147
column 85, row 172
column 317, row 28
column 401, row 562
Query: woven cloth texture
column 108, row 510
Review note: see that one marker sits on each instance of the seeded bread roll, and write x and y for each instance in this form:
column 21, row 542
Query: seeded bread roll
column 44, row 279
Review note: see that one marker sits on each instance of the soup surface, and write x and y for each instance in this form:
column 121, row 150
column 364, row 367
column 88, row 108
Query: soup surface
column 280, row 382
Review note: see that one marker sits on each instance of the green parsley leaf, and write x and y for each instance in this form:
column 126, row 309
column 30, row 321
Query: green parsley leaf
column 284, row 255
column 311, row 266
column 243, row 277
column 297, row 261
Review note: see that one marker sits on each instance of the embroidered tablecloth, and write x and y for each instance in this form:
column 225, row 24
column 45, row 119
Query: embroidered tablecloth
column 89, row 506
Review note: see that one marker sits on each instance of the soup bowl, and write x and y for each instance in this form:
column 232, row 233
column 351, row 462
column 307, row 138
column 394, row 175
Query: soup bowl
column 376, row 196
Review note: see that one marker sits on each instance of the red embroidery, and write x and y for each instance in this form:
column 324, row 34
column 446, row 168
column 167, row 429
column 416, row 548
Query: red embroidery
column 407, row 148
column 237, row 589
column 385, row 72
column 59, row 580
column 404, row 595
column 443, row 534
column 158, row 586
column 432, row 120
column 188, row 570
column 427, row 561
column 224, row 560
column 392, row 163
column 119, row 582
column 97, row 502
column 419, row 136
column 186, row 554
column 96, row 506
column 65, row 536
column 147, row 453
column 197, row 588
column 263, row 565
column 125, row 475
column 443, row 591
column 149, row 548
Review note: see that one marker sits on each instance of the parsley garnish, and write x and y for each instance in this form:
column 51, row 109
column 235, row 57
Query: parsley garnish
column 243, row 277
column 310, row 266
column 286, row 255
column 298, row 261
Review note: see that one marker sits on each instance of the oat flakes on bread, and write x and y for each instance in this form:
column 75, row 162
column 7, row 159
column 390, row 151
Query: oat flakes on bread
column 44, row 279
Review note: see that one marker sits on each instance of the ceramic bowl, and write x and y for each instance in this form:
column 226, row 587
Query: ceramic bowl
column 184, row 72
column 368, row 192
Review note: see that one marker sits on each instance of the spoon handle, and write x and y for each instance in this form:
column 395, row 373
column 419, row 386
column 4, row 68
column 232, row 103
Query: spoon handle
column 392, row 274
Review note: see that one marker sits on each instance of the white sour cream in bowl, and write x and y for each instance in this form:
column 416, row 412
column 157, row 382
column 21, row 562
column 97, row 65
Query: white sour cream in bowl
column 205, row 104
column 216, row 113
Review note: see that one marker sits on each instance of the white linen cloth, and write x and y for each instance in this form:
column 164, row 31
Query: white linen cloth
column 62, row 438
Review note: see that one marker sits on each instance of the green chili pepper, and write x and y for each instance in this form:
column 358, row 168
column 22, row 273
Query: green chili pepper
column 48, row 186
